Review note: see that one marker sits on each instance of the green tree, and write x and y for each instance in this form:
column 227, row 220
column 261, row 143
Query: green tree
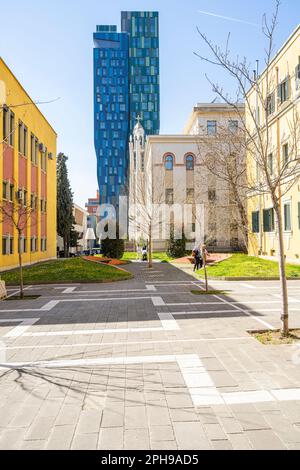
column 113, row 247
column 65, row 218
column 176, row 248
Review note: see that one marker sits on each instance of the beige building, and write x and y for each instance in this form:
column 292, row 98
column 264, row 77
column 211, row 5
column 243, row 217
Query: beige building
column 80, row 226
column 171, row 187
column 277, row 106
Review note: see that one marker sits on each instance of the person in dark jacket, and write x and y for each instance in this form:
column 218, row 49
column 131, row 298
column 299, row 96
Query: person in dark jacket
column 198, row 260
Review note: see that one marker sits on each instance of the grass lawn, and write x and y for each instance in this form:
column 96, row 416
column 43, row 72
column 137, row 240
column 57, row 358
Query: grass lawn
column 69, row 270
column 129, row 256
column 240, row 265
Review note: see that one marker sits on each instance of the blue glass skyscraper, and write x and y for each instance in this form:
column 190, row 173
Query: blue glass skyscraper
column 111, row 111
column 126, row 85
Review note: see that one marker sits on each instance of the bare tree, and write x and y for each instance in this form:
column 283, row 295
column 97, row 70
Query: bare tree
column 223, row 155
column 16, row 213
column 258, row 93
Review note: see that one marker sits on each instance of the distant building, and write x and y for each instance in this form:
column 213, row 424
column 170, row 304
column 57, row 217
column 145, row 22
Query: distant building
column 27, row 174
column 167, row 170
column 126, row 85
column 80, row 226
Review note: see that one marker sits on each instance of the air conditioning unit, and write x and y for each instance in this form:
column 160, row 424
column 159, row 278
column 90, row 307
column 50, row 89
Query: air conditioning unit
column 42, row 148
column 50, row 156
column 20, row 195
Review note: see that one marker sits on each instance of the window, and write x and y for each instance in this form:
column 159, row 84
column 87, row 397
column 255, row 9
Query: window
column 268, row 220
column 285, row 154
column 7, row 245
column 23, row 132
column 284, row 90
column 297, row 75
column 169, row 196
column 43, row 244
column 25, row 198
column 189, row 161
column 287, row 217
column 4, row 189
column 211, row 127
column 11, row 192
column 4, row 246
column 32, row 201
column 299, row 215
column 233, row 126
column 190, row 195
column 8, row 126
column 271, row 163
column 212, row 195
column 44, row 159
column 169, row 163
column 255, row 222
column 270, row 105
column 33, row 244
column 23, row 245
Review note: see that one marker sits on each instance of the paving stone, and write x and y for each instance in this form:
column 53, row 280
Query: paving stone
column 136, row 439
column 85, row 442
column 190, row 435
column 89, row 422
column 113, row 417
column 161, row 433
column 61, row 437
column 164, row 445
column 222, row 445
column 158, row 415
column 265, row 440
column 135, row 417
column 214, row 432
column 240, row 442
column 40, row 429
column 111, row 438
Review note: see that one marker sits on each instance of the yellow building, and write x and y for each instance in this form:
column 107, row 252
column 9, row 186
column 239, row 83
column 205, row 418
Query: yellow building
column 27, row 175
column 277, row 108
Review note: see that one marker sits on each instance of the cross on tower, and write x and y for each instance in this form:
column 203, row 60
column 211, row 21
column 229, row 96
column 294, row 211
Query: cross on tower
column 139, row 119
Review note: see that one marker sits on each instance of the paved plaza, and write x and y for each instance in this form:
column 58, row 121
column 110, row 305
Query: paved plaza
column 146, row 364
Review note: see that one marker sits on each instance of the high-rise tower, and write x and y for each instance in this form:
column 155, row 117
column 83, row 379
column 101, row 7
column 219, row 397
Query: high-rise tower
column 126, row 85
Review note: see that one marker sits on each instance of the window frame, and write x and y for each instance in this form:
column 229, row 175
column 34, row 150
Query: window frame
column 190, row 162
column 169, row 159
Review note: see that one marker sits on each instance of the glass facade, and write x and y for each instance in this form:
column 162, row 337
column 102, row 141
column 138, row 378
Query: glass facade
column 143, row 31
column 126, row 85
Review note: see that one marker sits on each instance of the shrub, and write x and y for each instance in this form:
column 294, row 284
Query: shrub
column 113, row 248
column 177, row 248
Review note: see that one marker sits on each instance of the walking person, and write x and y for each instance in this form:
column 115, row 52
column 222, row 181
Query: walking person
column 198, row 261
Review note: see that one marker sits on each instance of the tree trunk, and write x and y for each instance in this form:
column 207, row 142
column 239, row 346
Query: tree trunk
column 66, row 247
column 204, row 267
column 20, row 267
column 150, row 247
column 282, row 272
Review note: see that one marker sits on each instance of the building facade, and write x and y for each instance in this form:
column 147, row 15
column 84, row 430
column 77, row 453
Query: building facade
column 27, row 175
column 282, row 84
column 170, row 188
column 80, row 226
column 126, row 86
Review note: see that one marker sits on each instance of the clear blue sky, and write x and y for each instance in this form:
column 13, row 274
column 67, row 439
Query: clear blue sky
column 48, row 45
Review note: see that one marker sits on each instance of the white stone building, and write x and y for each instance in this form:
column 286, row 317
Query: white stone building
column 169, row 186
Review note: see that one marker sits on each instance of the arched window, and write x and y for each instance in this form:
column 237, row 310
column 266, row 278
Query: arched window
column 169, row 162
column 189, row 162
